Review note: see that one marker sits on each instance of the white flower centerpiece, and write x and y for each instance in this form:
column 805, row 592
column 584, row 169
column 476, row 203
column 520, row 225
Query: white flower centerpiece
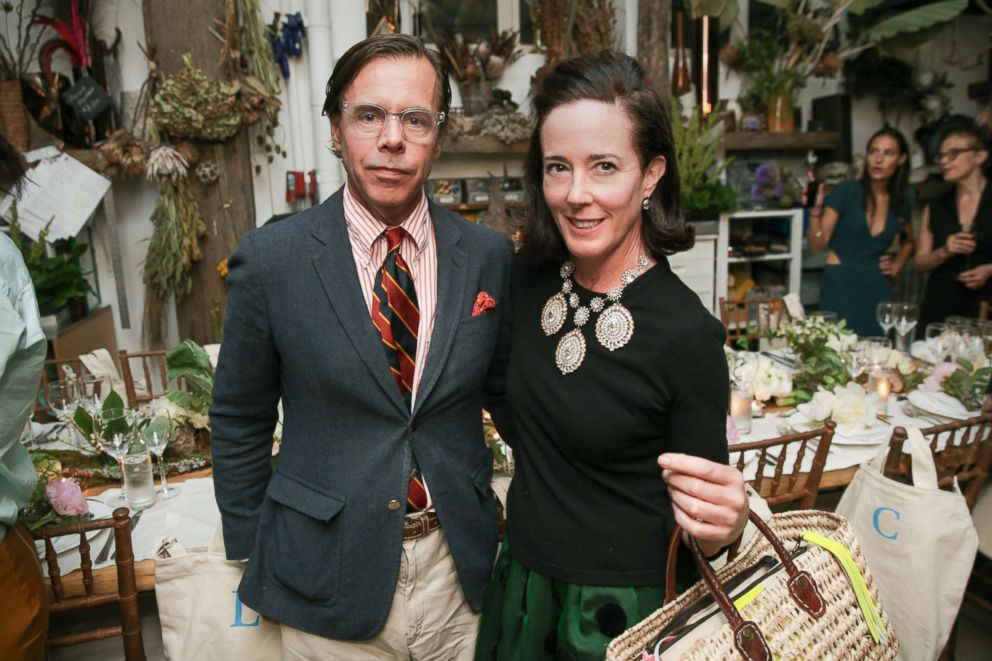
column 764, row 377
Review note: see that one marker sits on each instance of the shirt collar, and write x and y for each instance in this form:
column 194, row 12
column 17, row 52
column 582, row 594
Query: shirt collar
column 365, row 228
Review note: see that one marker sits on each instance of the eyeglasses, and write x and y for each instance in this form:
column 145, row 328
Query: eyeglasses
column 952, row 154
column 369, row 119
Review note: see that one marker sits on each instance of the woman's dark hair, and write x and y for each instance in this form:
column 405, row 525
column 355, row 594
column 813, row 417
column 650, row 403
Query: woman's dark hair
column 613, row 78
column 966, row 127
column 383, row 46
column 12, row 168
column 899, row 182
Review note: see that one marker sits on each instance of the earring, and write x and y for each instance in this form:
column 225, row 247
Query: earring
column 646, row 203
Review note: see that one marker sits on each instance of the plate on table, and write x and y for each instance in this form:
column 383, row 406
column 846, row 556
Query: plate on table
column 859, row 434
column 939, row 403
column 68, row 542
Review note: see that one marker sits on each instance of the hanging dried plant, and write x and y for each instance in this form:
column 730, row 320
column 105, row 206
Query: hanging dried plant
column 190, row 105
column 166, row 163
column 124, row 153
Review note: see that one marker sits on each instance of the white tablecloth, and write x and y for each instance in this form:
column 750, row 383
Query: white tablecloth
column 191, row 517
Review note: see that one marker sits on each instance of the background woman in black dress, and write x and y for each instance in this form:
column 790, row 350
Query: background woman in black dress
column 955, row 243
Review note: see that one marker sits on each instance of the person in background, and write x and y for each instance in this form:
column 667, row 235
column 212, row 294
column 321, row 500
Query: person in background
column 24, row 625
column 615, row 368
column 955, row 244
column 857, row 224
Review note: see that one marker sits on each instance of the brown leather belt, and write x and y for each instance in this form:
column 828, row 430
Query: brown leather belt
column 420, row 525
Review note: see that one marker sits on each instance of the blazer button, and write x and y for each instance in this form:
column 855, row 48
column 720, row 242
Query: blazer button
column 394, row 505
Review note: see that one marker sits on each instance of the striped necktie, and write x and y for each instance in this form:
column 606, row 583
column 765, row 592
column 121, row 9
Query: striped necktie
column 396, row 316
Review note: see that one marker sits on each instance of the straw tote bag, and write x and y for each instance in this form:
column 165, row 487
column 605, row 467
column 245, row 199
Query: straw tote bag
column 800, row 589
column 920, row 543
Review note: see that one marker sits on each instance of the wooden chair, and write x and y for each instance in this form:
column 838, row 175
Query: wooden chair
column 127, row 587
column 751, row 317
column 788, row 483
column 154, row 371
column 961, row 450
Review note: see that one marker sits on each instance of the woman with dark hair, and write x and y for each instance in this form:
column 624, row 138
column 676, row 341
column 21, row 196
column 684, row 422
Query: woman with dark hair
column 857, row 223
column 956, row 233
column 615, row 368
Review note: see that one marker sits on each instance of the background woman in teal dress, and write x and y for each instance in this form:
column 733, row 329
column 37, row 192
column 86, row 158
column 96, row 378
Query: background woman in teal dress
column 857, row 223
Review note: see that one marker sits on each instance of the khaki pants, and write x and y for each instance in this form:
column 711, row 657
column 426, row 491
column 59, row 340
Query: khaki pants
column 24, row 625
column 429, row 619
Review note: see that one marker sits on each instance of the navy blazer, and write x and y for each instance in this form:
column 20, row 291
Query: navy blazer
column 322, row 543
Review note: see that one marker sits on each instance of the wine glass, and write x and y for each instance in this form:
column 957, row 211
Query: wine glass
column 60, row 396
column 906, row 317
column 157, row 434
column 88, row 389
column 876, row 350
column 968, row 343
column 885, row 315
column 857, row 359
column 112, row 430
column 939, row 341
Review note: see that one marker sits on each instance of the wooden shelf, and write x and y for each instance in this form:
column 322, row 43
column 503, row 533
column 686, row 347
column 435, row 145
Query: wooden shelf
column 770, row 257
column 91, row 158
column 481, row 145
column 766, row 141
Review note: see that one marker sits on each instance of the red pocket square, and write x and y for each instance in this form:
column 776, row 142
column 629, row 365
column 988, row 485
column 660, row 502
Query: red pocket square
column 483, row 303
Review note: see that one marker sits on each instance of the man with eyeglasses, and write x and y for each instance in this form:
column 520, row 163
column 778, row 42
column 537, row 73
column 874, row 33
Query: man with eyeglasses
column 382, row 322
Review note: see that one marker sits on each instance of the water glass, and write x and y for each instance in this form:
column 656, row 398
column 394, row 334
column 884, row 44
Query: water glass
column 968, row 343
column 157, row 435
column 939, row 341
column 139, row 479
column 876, row 350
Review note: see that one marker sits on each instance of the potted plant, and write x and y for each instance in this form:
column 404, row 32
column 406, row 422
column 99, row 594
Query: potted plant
column 58, row 281
column 697, row 141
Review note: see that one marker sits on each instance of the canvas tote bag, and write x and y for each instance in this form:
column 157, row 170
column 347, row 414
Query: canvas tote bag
column 199, row 609
column 799, row 589
column 920, row 544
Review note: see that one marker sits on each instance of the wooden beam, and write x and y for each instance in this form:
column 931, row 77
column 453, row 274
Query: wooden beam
column 178, row 28
column 653, row 29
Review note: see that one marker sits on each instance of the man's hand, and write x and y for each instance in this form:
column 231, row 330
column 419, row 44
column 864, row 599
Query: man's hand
column 708, row 497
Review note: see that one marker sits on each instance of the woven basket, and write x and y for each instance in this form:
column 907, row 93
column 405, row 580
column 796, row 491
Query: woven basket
column 14, row 115
column 789, row 631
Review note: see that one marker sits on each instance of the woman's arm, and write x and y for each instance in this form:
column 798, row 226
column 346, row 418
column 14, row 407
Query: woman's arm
column 892, row 266
column 821, row 227
column 928, row 257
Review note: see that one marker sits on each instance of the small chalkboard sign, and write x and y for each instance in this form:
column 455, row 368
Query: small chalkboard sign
column 86, row 98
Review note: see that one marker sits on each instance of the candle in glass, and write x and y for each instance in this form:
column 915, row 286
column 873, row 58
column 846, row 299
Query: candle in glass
column 880, row 386
column 740, row 410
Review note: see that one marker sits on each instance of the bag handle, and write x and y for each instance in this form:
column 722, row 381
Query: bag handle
column 748, row 639
column 924, row 468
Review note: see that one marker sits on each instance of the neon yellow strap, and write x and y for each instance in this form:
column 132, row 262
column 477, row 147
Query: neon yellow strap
column 749, row 596
column 868, row 609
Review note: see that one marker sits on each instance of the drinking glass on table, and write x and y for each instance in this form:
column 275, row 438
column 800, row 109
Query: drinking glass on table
column 968, row 343
column 60, row 397
column 885, row 315
column 139, row 477
column 876, row 350
column 157, row 435
column 112, row 431
column 858, row 359
column 906, row 318
column 939, row 341
column 88, row 393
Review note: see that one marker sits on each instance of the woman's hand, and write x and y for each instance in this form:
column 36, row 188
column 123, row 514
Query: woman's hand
column 977, row 277
column 887, row 266
column 960, row 243
column 708, row 497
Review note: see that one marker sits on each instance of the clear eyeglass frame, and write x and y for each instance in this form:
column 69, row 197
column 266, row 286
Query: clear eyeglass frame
column 416, row 124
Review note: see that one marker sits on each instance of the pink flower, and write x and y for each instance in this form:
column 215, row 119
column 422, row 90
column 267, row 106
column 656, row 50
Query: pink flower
column 732, row 435
column 66, row 497
column 941, row 371
column 483, row 303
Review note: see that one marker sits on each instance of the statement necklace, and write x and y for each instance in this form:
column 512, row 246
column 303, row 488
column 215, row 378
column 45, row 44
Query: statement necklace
column 614, row 327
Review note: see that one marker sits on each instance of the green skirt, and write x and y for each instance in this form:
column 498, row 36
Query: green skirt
column 529, row 617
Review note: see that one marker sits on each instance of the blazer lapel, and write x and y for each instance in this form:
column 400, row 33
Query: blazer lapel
column 336, row 269
column 451, row 286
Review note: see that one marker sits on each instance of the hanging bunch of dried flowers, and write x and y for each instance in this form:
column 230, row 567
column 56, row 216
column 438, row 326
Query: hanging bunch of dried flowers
column 190, row 105
column 175, row 242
